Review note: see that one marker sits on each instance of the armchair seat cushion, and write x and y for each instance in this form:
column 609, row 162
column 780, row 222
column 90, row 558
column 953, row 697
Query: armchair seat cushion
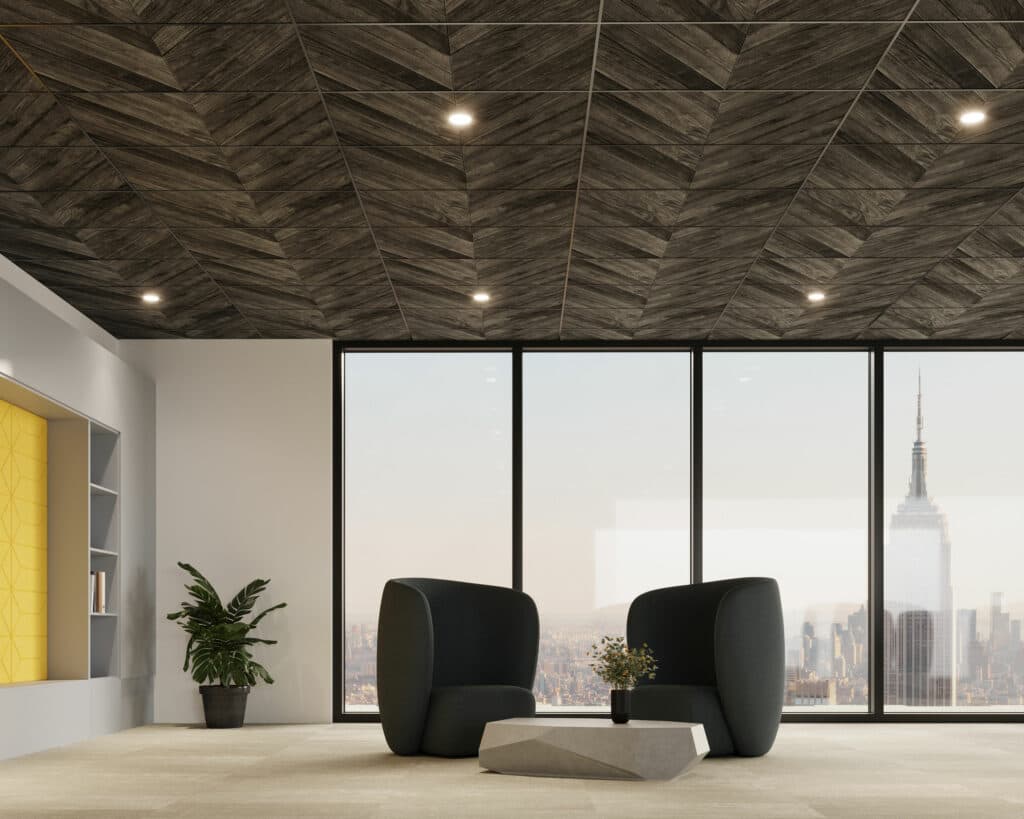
column 685, row 703
column 458, row 713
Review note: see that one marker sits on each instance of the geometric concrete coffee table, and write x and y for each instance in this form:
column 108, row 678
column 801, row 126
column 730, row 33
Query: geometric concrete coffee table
column 592, row 748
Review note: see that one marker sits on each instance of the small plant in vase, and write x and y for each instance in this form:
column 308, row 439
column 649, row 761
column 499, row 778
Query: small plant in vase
column 621, row 667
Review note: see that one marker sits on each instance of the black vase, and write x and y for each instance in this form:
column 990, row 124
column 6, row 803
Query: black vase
column 224, row 705
column 620, row 706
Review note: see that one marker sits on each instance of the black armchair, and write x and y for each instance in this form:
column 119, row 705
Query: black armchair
column 721, row 660
column 452, row 657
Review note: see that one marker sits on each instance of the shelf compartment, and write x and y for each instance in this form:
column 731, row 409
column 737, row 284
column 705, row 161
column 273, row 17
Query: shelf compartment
column 103, row 653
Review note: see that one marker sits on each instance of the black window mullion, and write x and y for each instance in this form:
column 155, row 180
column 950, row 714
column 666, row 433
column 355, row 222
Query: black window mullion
column 517, row 467
column 697, row 464
column 876, row 530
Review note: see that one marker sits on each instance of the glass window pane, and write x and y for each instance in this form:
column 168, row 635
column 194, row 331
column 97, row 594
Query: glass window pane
column 954, row 505
column 606, row 448
column 786, row 471
column 428, row 484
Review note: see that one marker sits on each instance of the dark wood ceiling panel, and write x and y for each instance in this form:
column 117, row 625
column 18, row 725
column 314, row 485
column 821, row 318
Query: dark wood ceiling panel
column 417, row 208
column 264, row 118
column 654, row 118
column 426, row 243
column 37, row 119
column 521, row 58
column 368, row 11
column 138, row 119
column 631, row 208
column 338, row 207
column 369, row 118
column 969, row 10
column 530, row 118
column 809, row 56
column 521, row 208
column 620, row 243
column 204, row 209
column 98, row 209
column 522, row 11
column 779, row 117
column 407, row 168
column 174, row 169
column 326, row 243
column 899, row 117
column 550, row 167
column 833, row 10
column 954, row 55
column 378, row 58
column 288, row 167
column 94, row 58
column 615, row 284
column 685, row 169
column 651, row 57
column 680, row 11
column 235, row 58
column 754, row 166
column 42, row 169
column 640, row 166
column 146, row 11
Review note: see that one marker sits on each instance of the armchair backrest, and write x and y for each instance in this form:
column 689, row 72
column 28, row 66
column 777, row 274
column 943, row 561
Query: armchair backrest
column 443, row 632
column 483, row 635
column 728, row 634
column 678, row 623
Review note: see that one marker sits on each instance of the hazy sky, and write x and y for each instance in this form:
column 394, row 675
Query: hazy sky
column 606, row 470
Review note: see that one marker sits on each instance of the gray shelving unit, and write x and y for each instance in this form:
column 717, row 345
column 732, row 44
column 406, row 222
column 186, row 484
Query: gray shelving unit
column 105, row 546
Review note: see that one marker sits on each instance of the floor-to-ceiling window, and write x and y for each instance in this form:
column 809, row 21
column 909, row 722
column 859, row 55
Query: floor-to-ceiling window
column 606, row 509
column 954, row 531
column 427, row 484
column 431, row 451
column 786, row 468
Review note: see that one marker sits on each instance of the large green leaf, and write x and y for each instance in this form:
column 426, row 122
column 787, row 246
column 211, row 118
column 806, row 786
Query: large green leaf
column 219, row 638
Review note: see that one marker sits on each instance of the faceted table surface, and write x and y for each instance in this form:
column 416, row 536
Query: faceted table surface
column 592, row 748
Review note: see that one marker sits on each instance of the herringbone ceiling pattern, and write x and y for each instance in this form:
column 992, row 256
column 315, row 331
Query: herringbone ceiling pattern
column 637, row 169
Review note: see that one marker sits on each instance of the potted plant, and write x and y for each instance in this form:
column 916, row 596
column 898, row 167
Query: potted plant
column 218, row 647
column 621, row 667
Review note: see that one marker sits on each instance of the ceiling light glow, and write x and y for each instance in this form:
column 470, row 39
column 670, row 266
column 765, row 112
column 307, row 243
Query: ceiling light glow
column 973, row 117
column 151, row 298
column 481, row 297
column 815, row 296
column 460, row 119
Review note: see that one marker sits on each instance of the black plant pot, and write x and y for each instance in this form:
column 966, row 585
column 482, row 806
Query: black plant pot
column 620, row 706
column 224, row 705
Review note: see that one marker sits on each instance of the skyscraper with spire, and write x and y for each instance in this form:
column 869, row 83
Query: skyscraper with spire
column 920, row 665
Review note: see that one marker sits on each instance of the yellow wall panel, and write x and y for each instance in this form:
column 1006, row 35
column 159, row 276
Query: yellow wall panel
column 22, row 545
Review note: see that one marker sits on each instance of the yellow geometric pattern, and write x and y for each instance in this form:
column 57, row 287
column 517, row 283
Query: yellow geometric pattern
column 22, row 545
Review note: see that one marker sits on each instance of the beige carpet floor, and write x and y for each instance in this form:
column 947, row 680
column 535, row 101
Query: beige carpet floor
column 345, row 770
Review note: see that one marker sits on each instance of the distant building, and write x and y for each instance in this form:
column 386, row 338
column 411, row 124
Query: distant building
column 919, row 594
column 966, row 643
column 812, row 692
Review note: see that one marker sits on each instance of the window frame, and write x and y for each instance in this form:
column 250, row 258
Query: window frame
column 876, row 488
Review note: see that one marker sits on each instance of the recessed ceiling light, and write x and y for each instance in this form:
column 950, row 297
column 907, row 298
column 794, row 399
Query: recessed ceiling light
column 481, row 297
column 460, row 119
column 151, row 298
column 972, row 117
column 815, row 296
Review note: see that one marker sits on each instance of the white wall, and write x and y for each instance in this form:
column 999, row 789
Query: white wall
column 50, row 348
column 244, row 471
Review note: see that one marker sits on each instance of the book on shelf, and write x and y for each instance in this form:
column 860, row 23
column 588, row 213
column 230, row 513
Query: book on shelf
column 92, row 591
column 100, row 592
